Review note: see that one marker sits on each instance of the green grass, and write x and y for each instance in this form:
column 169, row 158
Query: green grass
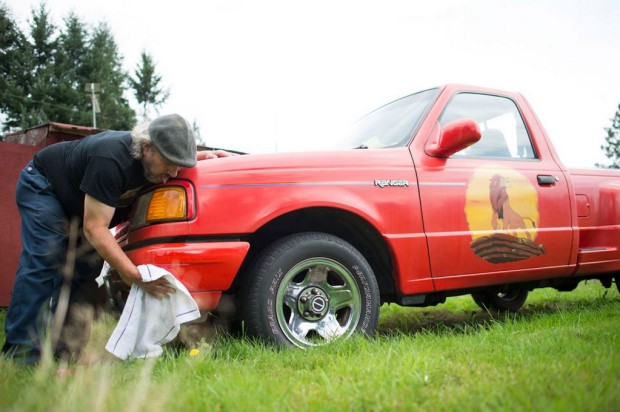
column 560, row 353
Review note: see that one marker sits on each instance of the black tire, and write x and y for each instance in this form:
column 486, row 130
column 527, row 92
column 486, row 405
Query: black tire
column 510, row 300
column 309, row 288
column 117, row 291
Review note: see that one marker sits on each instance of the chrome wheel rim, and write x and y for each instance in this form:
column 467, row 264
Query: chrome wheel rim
column 318, row 300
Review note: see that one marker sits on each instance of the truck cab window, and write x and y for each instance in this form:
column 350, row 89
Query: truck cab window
column 504, row 135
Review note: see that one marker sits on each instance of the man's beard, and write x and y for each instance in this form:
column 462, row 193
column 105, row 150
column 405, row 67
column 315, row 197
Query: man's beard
column 151, row 177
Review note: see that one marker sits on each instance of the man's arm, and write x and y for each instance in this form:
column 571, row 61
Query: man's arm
column 213, row 154
column 97, row 218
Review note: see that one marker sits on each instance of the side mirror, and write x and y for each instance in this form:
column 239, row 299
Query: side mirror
column 452, row 137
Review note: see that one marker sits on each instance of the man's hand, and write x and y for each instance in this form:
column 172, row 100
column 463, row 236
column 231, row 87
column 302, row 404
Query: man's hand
column 213, row 154
column 159, row 288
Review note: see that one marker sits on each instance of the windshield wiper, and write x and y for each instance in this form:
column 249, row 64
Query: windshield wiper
column 362, row 146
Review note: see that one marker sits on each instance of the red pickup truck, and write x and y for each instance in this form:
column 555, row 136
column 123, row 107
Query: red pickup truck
column 450, row 191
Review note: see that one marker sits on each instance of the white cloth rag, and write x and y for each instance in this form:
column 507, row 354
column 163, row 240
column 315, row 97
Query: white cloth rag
column 146, row 322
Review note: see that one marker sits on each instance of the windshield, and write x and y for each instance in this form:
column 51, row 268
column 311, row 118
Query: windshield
column 391, row 125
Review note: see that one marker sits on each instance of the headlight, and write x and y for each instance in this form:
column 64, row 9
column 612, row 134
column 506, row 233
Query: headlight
column 169, row 203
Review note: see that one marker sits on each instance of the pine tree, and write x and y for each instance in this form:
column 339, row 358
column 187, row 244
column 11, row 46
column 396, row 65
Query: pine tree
column 103, row 65
column 41, row 88
column 43, row 73
column 612, row 145
column 146, row 85
column 69, row 67
column 15, row 62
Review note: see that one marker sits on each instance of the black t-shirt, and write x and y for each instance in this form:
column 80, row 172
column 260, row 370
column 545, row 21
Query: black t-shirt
column 100, row 165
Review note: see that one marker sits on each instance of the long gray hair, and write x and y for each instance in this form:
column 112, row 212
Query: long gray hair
column 139, row 135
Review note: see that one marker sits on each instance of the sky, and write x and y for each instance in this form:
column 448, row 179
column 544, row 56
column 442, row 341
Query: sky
column 282, row 75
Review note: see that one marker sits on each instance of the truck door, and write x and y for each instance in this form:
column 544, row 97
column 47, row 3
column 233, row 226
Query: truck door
column 497, row 211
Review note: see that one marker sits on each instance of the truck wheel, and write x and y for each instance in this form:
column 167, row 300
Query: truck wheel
column 509, row 301
column 117, row 291
column 308, row 289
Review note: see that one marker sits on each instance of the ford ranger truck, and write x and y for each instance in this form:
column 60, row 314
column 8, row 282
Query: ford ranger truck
column 450, row 191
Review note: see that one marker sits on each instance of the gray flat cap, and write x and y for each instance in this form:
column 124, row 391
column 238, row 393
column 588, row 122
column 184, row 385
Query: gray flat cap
column 174, row 139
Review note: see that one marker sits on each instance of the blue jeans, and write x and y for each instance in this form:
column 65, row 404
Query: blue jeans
column 45, row 240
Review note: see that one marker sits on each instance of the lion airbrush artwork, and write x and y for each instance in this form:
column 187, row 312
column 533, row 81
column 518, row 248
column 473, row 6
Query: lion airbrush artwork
column 502, row 213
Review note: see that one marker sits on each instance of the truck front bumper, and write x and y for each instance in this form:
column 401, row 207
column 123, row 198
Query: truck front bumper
column 205, row 268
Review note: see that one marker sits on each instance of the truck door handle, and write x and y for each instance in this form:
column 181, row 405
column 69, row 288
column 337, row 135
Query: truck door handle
column 546, row 180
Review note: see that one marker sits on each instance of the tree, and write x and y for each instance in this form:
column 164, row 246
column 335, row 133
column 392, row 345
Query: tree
column 15, row 57
column 43, row 74
column 146, row 85
column 103, row 65
column 41, row 88
column 612, row 145
column 69, row 70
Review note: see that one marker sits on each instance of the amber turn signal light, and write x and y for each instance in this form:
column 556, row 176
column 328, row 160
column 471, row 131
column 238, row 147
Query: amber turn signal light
column 167, row 203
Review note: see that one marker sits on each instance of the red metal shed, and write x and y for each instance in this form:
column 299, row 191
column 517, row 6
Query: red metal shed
column 15, row 152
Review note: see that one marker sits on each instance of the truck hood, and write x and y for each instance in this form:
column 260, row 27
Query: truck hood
column 296, row 166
